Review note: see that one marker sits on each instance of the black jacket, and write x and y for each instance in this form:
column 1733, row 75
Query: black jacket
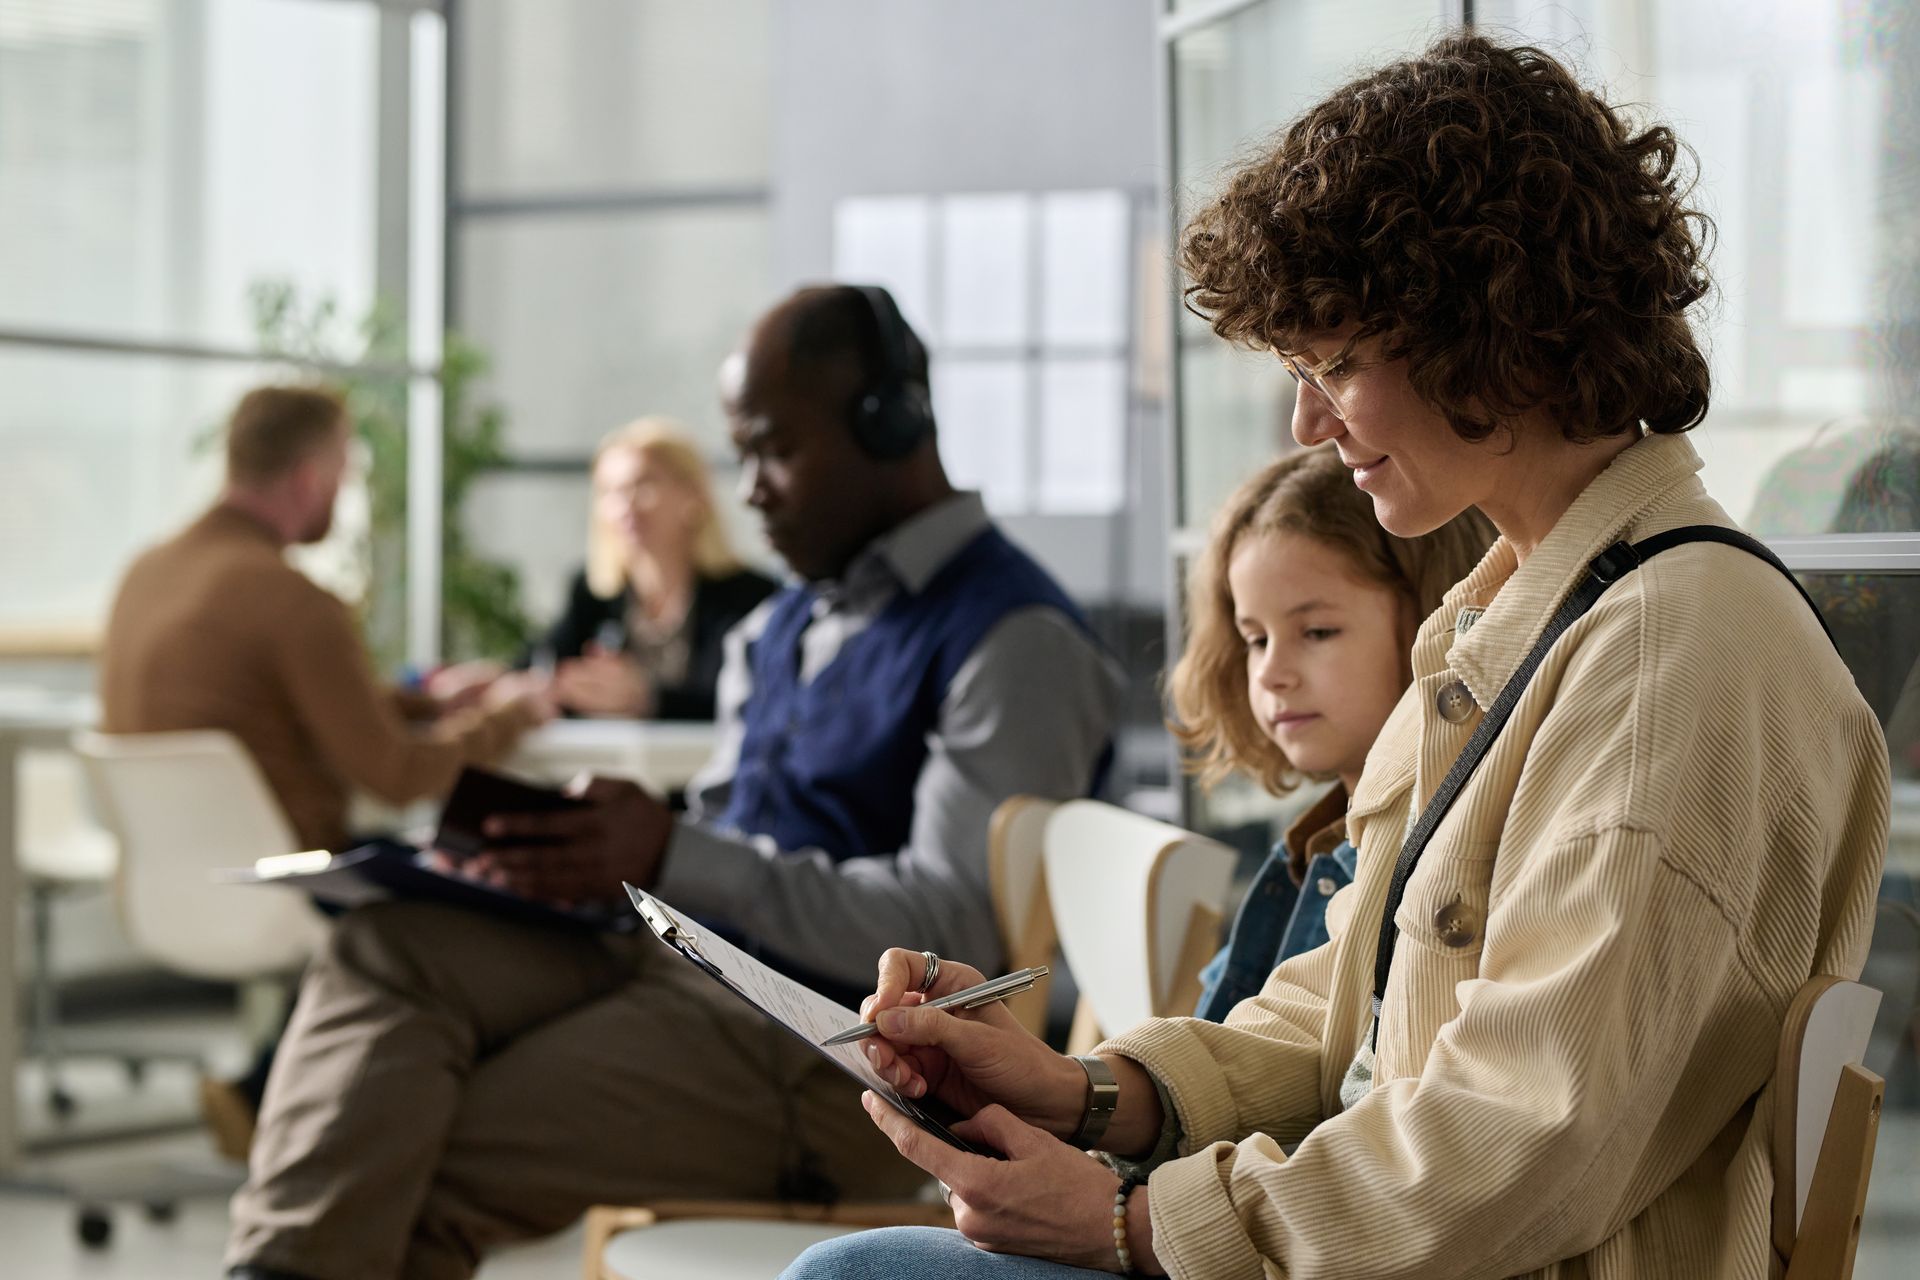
column 718, row 603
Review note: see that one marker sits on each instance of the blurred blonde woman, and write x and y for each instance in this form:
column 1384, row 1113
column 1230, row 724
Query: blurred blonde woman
column 641, row 633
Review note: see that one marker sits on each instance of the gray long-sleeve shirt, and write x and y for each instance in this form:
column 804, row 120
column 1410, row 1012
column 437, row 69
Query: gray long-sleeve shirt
column 1028, row 713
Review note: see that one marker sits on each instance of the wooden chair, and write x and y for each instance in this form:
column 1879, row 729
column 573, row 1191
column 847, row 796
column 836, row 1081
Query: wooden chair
column 1016, row 859
column 1826, row 1119
column 1141, row 916
column 729, row 1239
column 721, row 1239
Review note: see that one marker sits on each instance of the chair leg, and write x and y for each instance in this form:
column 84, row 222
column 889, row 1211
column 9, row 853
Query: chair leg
column 44, row 1032
column 1830, row 1223
column 1085, row 1032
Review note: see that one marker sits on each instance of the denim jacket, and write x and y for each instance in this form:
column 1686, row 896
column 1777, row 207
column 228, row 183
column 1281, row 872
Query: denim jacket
column 1285, row 911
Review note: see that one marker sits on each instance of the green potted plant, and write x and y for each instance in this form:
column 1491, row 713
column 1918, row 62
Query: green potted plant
column 480, row 612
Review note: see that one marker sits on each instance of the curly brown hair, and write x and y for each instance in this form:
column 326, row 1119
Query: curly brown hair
column 1517, row 241
column 1309, row 492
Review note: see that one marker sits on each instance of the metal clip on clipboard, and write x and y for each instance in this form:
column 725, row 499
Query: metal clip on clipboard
column 796, row 1009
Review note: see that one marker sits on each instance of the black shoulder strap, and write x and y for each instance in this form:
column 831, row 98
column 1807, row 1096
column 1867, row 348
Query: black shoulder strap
column 1603, row 571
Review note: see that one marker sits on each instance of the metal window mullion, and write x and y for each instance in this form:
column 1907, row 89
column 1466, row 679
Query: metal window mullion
column 1175, row 25
column 551, row 203
column 1850, row 552
column 73, row 343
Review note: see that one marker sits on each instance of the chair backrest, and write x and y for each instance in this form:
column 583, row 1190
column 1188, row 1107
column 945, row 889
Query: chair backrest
column 1138, row 904
column 1826, row 1117
column 183, row 806
column 1017, row 869
column 61, row 839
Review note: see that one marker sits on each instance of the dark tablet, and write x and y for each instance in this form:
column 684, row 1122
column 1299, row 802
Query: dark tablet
column 480, row 794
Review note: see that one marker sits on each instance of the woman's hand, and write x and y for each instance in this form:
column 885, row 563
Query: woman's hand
column 967, row 1059
column 1045, row 1200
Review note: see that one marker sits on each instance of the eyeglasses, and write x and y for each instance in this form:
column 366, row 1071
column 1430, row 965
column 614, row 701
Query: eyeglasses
column 1316, row 375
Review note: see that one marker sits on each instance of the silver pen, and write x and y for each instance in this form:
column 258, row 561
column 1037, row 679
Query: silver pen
column 972, row 998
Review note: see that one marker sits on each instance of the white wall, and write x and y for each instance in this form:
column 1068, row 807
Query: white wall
column 920, row 96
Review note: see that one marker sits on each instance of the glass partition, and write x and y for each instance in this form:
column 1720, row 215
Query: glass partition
column 1803, row 120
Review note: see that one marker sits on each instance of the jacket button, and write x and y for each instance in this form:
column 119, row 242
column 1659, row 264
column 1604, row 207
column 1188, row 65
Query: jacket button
column 1455, row 925
column 1453, row 702
column 1326, row 886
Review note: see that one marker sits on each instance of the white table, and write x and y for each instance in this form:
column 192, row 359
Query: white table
column 29, row 718
column 658, row 754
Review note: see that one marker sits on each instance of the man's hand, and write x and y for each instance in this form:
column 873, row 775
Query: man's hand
column 529, row 689
column 604, row 684
column 464, row 684
column 577, row 855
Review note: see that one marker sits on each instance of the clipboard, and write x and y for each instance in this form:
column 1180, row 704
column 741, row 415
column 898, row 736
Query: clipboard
column 803, row 1012
column 382, row 869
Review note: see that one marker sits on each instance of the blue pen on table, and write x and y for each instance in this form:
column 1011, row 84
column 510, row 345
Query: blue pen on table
column 972, row 998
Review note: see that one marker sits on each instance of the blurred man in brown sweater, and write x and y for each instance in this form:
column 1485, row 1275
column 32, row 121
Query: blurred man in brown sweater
column 213, row 629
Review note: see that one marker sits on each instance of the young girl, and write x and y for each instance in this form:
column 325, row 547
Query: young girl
column 1301, row 615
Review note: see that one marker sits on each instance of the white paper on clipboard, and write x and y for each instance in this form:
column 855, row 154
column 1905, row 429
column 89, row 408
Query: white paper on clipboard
column 800, row 1009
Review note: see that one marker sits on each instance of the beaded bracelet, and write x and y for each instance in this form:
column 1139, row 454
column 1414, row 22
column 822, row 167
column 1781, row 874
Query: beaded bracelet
column 1120, row 1223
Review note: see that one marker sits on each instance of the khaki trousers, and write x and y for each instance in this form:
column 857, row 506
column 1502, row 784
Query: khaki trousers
column 451, row 1081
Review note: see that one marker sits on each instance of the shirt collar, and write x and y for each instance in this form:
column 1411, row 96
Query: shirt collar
column 912, row 552
column 1316, row 831
column 1520, row 599
column 224, row 518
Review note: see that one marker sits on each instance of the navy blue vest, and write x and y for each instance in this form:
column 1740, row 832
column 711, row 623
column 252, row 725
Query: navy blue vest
column 832, row 764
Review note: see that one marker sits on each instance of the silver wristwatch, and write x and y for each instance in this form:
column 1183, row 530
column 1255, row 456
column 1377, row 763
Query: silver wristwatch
column 1103, row 1096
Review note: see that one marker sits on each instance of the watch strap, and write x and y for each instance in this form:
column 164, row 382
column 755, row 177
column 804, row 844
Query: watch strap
column 1103, row 1098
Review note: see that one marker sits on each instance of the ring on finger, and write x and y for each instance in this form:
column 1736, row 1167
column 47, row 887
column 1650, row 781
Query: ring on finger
column 932, row 973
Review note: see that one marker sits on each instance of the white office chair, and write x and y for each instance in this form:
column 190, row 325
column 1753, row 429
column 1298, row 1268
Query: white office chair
column 63, row 854
column 1826, row 1121
column 1138, row 904
column 183, row 806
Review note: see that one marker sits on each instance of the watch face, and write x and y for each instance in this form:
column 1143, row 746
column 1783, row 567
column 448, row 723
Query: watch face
column 1103, row 1096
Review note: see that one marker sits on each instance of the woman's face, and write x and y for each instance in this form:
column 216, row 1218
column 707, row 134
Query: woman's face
column 1326, row 649
column 645, row 503
column 1418, row 472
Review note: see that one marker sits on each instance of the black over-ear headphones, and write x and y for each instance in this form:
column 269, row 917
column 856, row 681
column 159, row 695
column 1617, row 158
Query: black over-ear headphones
column 892, row 415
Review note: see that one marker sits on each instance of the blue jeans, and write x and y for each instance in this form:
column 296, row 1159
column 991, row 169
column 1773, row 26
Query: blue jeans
column 900, row 1253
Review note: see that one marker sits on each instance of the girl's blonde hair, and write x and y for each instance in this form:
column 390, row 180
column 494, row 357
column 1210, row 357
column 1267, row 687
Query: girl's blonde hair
column 1311, row 493
column 667, row 444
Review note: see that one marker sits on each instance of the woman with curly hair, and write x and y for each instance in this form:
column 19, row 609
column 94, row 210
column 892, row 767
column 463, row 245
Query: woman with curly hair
column 1631, row 801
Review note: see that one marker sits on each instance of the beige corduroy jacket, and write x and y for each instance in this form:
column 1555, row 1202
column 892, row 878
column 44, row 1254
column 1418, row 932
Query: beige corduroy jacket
column 1684, row 820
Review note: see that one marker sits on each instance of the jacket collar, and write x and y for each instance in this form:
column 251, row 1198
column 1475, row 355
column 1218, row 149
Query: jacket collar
column 1514, row 604
column 1519, row 599
column 909, row 555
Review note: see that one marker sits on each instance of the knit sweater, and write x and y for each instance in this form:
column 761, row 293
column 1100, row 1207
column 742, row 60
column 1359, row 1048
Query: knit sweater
column 213, row 629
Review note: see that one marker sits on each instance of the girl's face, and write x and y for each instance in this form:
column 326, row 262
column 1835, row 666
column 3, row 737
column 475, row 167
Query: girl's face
column 1326, row 649
column 647, row 504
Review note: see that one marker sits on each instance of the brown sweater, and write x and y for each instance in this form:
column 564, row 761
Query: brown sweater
column 215, row 630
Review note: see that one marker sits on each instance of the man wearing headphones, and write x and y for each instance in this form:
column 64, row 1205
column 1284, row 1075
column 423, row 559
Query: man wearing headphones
column 451, row 1082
